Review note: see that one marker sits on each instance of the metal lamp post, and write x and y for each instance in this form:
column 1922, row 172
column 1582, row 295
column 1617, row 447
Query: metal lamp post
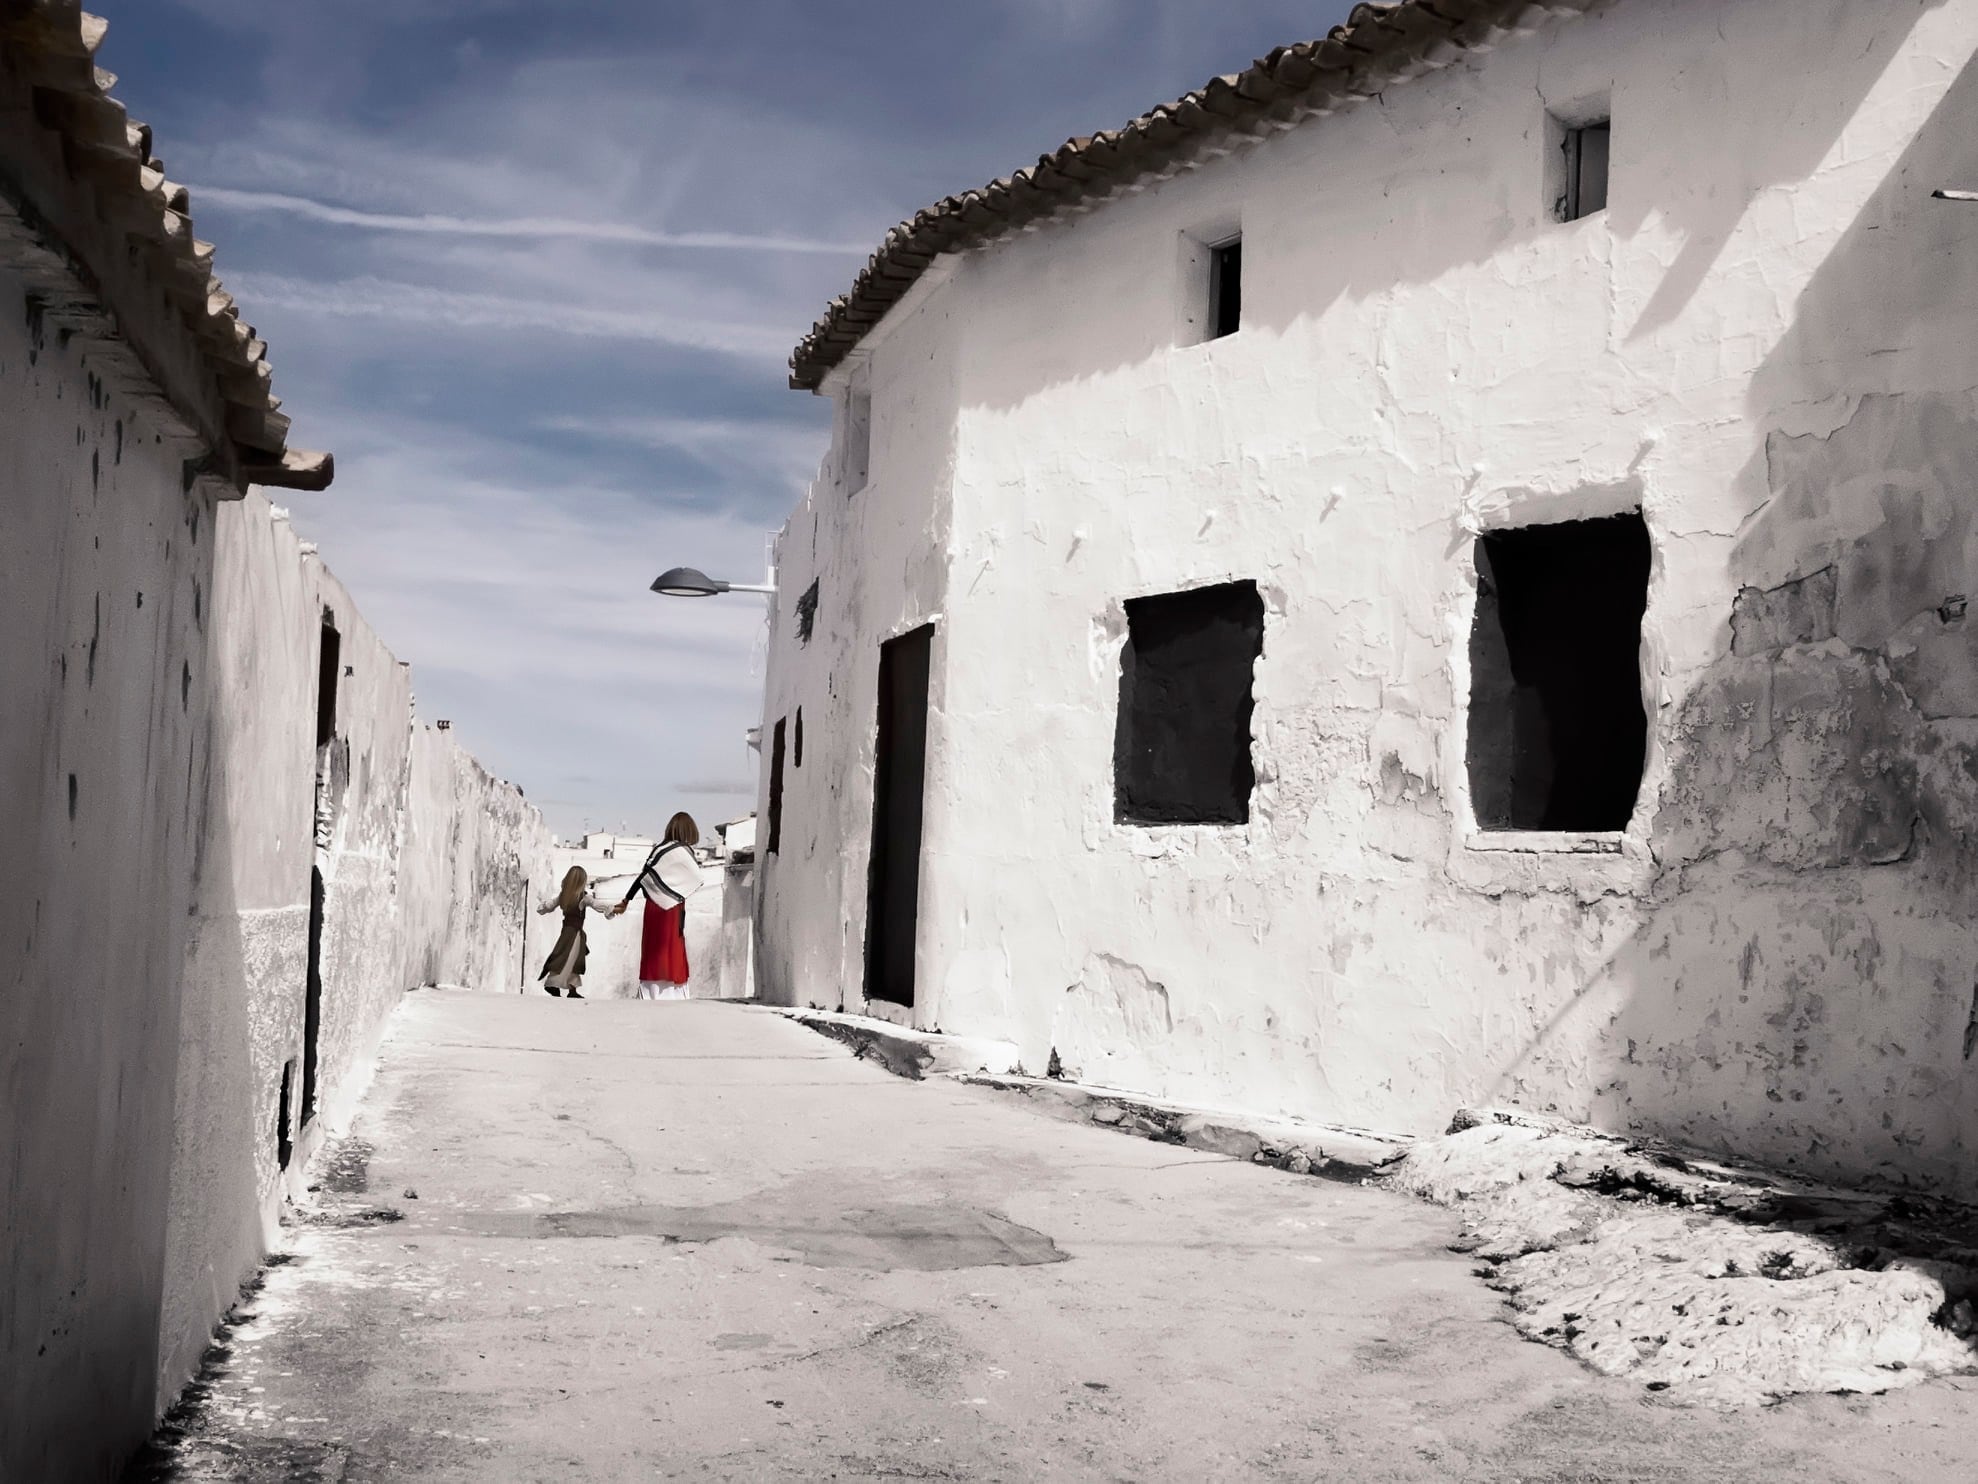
column 691, row 582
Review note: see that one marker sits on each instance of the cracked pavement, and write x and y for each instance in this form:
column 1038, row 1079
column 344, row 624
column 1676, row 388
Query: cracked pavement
column 691, row 1240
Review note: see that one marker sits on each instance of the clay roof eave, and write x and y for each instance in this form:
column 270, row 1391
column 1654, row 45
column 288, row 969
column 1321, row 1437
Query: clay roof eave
column 1378, row 44
column 107, row 245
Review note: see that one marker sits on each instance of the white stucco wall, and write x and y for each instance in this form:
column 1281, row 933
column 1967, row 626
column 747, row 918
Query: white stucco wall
column 1766, row 343
column 105, row 696
column 880, row 555
column 423, row 865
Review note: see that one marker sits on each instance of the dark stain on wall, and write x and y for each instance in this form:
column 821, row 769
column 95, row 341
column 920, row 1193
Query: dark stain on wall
column 1796, row 612
column 807, row 612
column 36, row 318
column 72, row 796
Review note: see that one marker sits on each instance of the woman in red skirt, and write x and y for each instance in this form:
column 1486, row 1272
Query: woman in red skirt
column 667, row 879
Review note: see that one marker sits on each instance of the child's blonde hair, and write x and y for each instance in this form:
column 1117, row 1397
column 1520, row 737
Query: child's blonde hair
column 573, row 888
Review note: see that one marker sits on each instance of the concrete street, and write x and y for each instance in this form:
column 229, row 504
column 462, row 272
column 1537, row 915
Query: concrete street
column 695, row 1241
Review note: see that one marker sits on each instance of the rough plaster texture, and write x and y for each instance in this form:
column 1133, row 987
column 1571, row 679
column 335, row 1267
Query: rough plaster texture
column 1771, row 350
column 157, row 790
column 422, row 854
column 107, row 694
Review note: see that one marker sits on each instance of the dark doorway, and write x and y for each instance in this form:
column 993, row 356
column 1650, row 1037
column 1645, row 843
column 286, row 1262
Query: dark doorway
column 284, row 1132
column 892, row 925
column 312, row 1003
column 1558, row 735
column 1181, row 743
column 329, row 666
column 776, row 746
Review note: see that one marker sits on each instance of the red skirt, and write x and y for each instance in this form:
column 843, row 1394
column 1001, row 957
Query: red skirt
column 662, row 944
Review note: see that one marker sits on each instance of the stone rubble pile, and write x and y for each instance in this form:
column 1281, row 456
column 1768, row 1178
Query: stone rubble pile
column 1712, row 1286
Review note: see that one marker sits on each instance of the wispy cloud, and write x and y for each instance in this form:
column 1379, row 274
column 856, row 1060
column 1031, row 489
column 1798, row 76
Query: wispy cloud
column 462, row 225
column 413, row 303
column 525, row 227
column 740, row 449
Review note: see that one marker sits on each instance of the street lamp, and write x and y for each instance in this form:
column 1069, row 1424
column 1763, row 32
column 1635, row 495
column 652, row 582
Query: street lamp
column 691, row 582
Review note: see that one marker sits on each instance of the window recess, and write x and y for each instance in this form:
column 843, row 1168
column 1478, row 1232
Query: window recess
column 1225, row 288
column 1583, row 169
column 1181, row 748
column 1558, row 733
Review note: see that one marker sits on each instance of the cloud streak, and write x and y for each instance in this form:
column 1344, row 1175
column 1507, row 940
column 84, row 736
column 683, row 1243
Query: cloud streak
column 370, row 297
column 538, row 228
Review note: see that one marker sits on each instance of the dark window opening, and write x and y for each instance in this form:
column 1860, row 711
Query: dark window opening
column 1558, row 734
column 1586, row 150
column 775, row 791
column 1181, row 749
column 807, row 612
column 284, row 1140
column 328, row 668
column 797, row 741
column 1225, row 288
column 312, row 1000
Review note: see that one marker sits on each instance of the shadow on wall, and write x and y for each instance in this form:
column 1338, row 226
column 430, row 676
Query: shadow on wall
column 1805, row 986
column 1446, row 212
column 229, row 1114
column 1800, row 984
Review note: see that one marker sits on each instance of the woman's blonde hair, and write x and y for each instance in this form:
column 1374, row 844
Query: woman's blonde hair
column 681, row 827
column 573, row 888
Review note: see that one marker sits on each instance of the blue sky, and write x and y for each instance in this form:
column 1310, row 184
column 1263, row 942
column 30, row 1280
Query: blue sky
column 532, row 269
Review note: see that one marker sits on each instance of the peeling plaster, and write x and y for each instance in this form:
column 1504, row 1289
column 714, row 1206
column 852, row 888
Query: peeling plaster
column 1771, row 351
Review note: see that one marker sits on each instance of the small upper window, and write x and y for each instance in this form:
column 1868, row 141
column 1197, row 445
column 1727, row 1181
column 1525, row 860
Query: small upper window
column 858, row 438
column 1585, row 174
column 1225, row 288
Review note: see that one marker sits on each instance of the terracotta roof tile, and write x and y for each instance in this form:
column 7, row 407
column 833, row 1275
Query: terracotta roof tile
column 88, row 215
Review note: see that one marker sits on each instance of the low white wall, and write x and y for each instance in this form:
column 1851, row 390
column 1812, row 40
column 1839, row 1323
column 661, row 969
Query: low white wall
column 423, row 857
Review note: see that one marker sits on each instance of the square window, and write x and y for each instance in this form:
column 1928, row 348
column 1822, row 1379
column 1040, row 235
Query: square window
column 1584, row 177
column 1558, row 734
column 1226, row 288
column 1181, row 748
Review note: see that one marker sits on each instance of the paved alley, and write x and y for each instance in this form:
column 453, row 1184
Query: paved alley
column 621, row 1240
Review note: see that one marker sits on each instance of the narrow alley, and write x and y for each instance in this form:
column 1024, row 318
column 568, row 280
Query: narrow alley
column 616, row 1240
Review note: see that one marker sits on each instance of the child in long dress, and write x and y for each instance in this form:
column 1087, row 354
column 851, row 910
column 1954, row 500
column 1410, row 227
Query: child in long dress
column 563, row 970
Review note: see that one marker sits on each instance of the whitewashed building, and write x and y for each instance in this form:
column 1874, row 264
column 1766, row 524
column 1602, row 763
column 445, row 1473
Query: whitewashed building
column 1431, row 571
